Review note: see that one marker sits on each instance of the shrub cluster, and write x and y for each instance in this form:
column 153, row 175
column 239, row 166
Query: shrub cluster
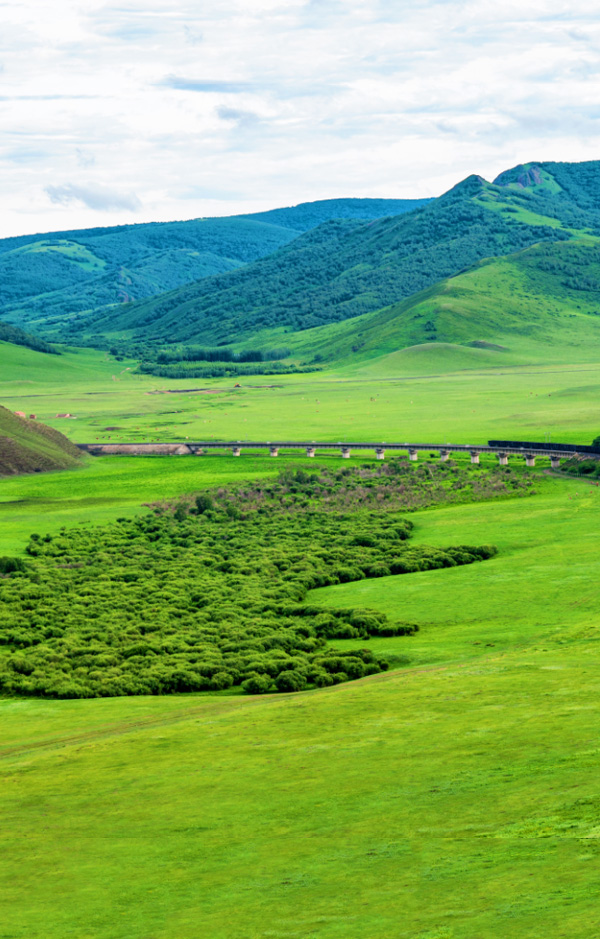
column 228, row 370
column 582, row 467
column 391, row 486
column 219, row 354
column 206, row 595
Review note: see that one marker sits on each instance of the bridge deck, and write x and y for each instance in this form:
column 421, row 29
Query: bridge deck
column 323, row 445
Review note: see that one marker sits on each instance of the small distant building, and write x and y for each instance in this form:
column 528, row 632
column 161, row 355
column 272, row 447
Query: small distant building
column 32, row 417
column 20, row 413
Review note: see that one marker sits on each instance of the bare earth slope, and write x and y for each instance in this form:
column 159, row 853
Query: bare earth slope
column 26, row 446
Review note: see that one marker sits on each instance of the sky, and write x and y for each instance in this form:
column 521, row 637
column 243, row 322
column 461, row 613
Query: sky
column 151, row 111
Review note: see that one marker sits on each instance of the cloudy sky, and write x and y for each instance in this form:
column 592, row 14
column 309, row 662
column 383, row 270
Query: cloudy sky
column 155, row 110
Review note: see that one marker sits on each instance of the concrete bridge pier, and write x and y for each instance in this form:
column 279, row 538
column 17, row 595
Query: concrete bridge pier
column 346, row 453
column 273, row 451
column 555, row 462
column 503, row 459
column 444, row 456
column 380, row 453
column 413, row 455
column 529, row 459
column 474, row 456
column 310, row 451
column 237, row 451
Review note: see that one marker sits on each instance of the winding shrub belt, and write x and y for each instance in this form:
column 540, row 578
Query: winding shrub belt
column 210, row 593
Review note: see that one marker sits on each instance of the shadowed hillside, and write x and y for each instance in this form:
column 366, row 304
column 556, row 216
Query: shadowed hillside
column 19, row 337
column 26, row 446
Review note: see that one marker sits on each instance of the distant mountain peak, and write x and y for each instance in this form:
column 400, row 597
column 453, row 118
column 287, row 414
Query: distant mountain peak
column 528, row 176
column 525, row 176
column 471, row 186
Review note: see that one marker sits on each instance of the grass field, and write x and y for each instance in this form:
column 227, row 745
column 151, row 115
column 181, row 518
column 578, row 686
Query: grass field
column 547, row 553
column 401, row 397
column 428, row 392
column 109, row 487
column 453, row 798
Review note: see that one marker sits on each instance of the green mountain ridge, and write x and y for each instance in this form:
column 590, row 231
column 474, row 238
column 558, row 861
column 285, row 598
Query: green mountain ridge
column 66, row 273
column 359, row 281
column 309, row 215
column 541, row 304
column 343, row 269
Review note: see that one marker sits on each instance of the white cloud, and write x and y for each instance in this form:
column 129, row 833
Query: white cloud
column 94, row 197
column 231, row 106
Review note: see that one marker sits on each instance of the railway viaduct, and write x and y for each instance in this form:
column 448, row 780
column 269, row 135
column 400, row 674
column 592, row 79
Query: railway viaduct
column 501, row 449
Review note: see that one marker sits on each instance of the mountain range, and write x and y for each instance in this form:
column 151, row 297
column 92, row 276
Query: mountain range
column 53, row 277
column 341, row 278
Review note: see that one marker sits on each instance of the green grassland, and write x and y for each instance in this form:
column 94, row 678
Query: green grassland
column 507, row 602
column 395, row 397
column 430, row 392
column 455, row 799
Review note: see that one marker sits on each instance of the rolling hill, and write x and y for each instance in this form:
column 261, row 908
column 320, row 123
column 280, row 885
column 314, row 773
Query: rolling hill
column 342, row 269
column 19, row 337
column 27, row 446
column 540, row 304
column 59, row 275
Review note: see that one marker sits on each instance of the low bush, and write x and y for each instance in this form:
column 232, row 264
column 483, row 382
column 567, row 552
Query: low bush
column 209, row 594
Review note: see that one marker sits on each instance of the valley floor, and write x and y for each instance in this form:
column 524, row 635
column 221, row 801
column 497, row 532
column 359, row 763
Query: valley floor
column 454, row 797
column 417, row 400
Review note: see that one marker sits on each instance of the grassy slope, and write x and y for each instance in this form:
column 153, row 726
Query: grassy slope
column 27, row 446
column 447, row 802
column 539, row 305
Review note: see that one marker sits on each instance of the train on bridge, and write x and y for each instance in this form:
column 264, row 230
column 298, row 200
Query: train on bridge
column 562, row 448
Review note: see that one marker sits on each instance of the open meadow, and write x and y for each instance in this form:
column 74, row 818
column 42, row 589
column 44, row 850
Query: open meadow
column 417, row 401
column 417, row 396
column 453, row 797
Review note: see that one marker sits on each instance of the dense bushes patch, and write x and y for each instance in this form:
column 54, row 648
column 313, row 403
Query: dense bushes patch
column 582, row 467
column 196, row 597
